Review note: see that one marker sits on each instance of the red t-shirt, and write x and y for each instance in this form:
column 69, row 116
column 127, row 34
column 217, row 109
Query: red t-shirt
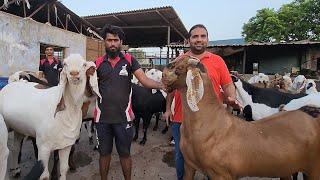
column 219, row 75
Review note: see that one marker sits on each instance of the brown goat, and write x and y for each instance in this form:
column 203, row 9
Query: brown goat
column 225, row 147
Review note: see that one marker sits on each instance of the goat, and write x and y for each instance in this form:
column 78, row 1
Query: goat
column 156, row 75
column 35, row 172
column 4, row 151
column 225, row 147
column 55, row 115
column 144, row 105
column 268, row 96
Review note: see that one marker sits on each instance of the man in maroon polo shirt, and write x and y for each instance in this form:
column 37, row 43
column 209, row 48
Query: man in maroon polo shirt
column 114, row 113
column 50, row 67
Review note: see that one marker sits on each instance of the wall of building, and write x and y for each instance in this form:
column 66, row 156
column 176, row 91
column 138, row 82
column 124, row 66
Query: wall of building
column 20, row 41
column 274, row 59
column 312, row 57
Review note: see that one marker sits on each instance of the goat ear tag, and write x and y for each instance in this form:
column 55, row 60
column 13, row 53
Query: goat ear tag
column 124, row 71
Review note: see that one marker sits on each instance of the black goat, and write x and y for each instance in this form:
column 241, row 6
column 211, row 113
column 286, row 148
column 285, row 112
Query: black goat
column 144, row 105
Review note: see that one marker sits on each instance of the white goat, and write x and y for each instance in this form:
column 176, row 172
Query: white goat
column 54, row 127
column 298, row 84
column 260, row 78
column 310, row 87
column 4, row 151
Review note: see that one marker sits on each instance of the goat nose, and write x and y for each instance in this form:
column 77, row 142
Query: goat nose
column 74, row 73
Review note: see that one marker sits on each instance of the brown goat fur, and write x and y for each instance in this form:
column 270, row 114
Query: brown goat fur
column 225, row 147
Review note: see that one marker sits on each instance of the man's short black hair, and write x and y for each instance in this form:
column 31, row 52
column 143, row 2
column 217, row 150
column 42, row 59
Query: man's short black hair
column 49, row 46
column 197, row 26
column 115, row 30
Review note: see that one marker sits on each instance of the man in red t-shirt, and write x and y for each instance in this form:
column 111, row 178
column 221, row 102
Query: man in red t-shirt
column 220, row 78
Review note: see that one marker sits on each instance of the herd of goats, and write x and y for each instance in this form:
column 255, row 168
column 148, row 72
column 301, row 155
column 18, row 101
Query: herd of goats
column 277, row 134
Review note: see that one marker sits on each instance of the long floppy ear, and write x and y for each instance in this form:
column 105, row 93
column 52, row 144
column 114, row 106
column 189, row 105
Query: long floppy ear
column 195, row 89
column 93, row 78
column 62, row 83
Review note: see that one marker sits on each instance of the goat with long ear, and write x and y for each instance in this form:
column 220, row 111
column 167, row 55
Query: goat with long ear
column 226, row 147
column 53, row 129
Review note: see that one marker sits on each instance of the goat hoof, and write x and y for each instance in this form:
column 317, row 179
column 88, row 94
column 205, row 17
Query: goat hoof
column 15, row 172
column 164, row 131
column 90, row 141
column 54, row 177
column 143, row 142
column 155, row 128
column 72, row 166
column 135, row 138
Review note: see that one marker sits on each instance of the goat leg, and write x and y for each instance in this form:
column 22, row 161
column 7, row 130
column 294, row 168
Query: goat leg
column 136, row 124
column 157, row 122
column 146, row 122
column 54, row 171
column 71, row 162
column 189, row 172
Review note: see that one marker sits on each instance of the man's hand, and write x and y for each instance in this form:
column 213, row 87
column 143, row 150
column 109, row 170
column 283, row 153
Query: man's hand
column 235, row 104
column 167, row 115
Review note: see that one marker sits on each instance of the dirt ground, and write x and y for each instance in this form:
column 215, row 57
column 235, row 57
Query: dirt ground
column 155, row 160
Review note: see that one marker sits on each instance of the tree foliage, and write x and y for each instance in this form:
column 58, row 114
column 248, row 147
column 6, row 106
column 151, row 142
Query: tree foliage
column 296, row 21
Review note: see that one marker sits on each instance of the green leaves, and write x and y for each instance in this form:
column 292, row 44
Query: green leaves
column 296, row 21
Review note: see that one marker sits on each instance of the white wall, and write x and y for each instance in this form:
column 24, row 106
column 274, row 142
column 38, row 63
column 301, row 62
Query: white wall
column 20, row 43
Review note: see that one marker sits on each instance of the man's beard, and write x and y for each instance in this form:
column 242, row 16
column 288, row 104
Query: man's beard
column 196, row 51
column 113, row 54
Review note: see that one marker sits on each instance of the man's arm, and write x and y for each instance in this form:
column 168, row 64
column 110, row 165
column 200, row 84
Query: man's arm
column 230, row 95
column 229, row 90
column 147, row 82
column 169, row 100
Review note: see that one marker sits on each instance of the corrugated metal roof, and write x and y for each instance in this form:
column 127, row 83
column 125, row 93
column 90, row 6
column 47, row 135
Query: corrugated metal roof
column 130, row 11
column 145, row 27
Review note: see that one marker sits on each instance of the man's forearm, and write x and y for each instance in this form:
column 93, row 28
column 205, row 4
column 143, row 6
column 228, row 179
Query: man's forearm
column 229, row 91
column 169, row 100
column 149, row 83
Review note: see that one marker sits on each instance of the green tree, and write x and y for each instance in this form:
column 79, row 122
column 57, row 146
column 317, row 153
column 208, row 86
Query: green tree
column 298, row 20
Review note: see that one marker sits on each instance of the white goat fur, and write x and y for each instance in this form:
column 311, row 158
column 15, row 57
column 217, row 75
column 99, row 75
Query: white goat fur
column 4, row 151
column 38, row 119
column 260, row 78
column 156, row 75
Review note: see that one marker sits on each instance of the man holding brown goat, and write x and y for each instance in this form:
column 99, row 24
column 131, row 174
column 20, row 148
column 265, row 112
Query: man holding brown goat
column 219, row 76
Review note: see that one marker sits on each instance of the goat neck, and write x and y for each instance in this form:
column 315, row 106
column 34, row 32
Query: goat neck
column 74, row 94
column 198, row 124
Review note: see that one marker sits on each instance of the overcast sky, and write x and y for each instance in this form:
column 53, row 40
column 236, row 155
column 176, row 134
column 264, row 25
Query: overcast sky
column 223, row 18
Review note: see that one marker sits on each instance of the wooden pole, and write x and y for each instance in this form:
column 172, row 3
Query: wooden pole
column 48, row 15
column 244, row 61
column 24, row 9
column 168, row 43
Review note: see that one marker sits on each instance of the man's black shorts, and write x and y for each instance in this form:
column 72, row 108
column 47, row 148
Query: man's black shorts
column 121, row 132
